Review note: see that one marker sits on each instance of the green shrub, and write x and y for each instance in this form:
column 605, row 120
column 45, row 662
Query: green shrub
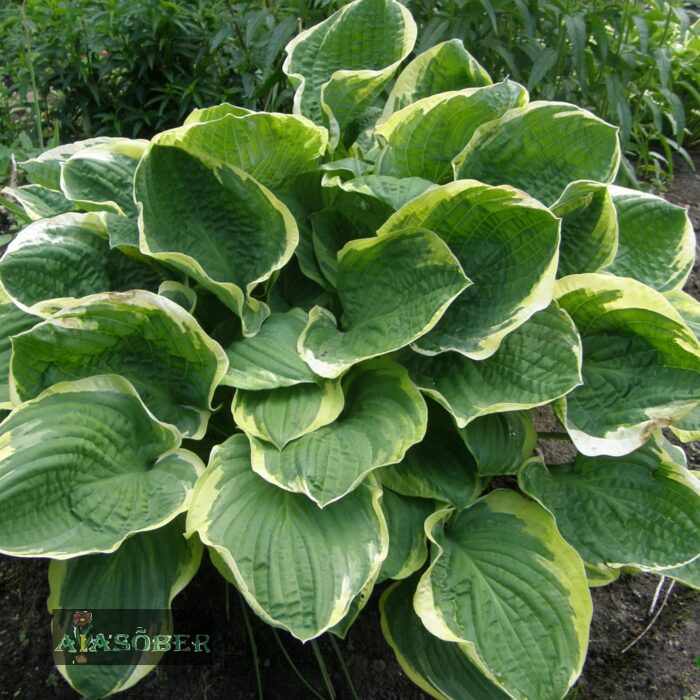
column 350, row 312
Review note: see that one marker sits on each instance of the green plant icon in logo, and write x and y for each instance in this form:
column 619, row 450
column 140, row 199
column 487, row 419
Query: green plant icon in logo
column 82, row 625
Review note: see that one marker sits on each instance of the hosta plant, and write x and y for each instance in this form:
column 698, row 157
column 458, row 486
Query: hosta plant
column 348, row 314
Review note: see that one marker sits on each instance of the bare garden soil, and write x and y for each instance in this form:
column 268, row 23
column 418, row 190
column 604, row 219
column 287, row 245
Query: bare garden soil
column 661, row 666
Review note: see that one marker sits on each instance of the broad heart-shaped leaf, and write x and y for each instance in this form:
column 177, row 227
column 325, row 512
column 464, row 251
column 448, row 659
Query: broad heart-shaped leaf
column 535, row 364
column 282, row 415
column 641, row 364
column 53, row 261
column 216, row 224
column 393, row 289
column 540, row 149
column 640, row 510
column 12, row 321
column 506, row 586
column 85, row 465
column 145, row 338
column 500, row 442
column 439, row 668
column 422, row 139
column 439, row 467
column 384, row 415
column 102, row 176
column 490, row 230
column 656, row 242
column 129, row 580
column 442, row 68
column 298, row 566
column 273, row 148
column 39, row 202
column 588, row 228
column 339, row 66
column 270, row 359
column 407, row 547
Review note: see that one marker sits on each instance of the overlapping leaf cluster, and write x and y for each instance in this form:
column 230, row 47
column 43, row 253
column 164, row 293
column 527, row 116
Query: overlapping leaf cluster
column 356, row 306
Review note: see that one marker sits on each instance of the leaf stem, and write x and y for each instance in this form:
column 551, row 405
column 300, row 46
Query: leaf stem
column 253, row 645
column 324, row 670
column 292, row 665
column 344, row 668
column 32, row 77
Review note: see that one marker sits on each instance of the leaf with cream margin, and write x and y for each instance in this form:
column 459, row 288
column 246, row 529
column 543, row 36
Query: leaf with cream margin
column 208, row 114
column 507, row 587
column 85, row 465
column 656, row 240
column 298, row 566
column 535, row 364
column 12, row 322
column 214, row 223
column 384, row 415
column 39, row 202
column 641, row 364
column 542, row 148
column 145, row 338
column 490, row 230
column 392, row 289
column 127, row 580
column 421, row 139
column 338, row 67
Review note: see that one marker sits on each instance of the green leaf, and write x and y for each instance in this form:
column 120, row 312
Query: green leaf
column 490, row 230
column 535, row 364
column 392, row 191
column 125, row 580
column 506, row 586
column 285, row 414
column 422, row 139
column 640, row 510
column 500, row 442
column 12, row 321
column 641, row 364
column 272, row 148
column 439, row 668
column 541, row 148
column 393, row 289
column 687, row 307
column 39, row 202
column 444, row 67
column 143, row 337
column 439, row 467
column 339, row 66
column 208, row 114
column 688, row 574
column 216, row 224
column 85, row 465
column 384, row 415
column 299, row 567
column 589, row 229
column 180, row 294
column 657, row 242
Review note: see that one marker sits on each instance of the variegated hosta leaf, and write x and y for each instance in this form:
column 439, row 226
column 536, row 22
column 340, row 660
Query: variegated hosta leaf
column 12, row 321
column 688, row 574
column 422, row 139
column 180, row 294
column 285, row 414
column 148, row 339
column 588, row 227
column 439, row 467
column 339, row 66
column 500, row 442
column 687, row 307
column 603, row 576
column 102, row 176
column 273, row 148
column 340, row 629
column 393, row 289
column 216, row 224
column 506, row 586
column 640, row 510
column 490, row 230
column 407, row 546
column 444, row 67
column 540, row 149
column 270, row 359
column 440, row 668
column 85, row 465
column 123, row 231
column 687, row 429
column 209, row 114
column 39, row 202
column 535, row 364
column 656, row 243
column 128, row 580
column 298, row 566
column 384, row 415
column 641, row 364
column 53, row 261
